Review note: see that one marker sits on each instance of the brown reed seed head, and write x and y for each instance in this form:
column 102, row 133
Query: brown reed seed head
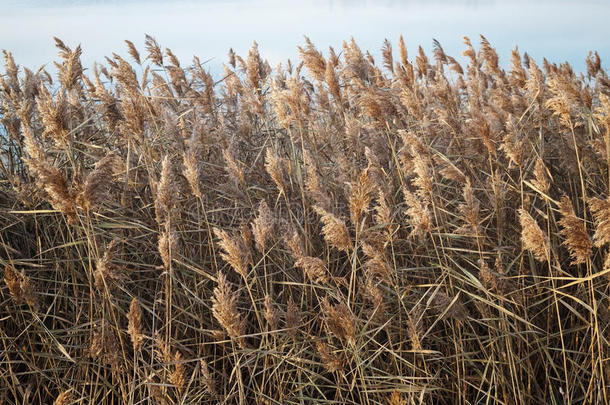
column 377, row 264
column 271, row 313
column 104, row 345
column 134, row 326
column 167, row 190
column 13, row 282
column 64, row 398
column 235, row 251
column 395, row 398
column 415, row 327
column 107, row 273
column 470, row 212
column 292, row 318
column 293, row 242
column 601, row 214
column 233, row 168
column 276, row 168
column 168, row 244
column 574, row 232
column 419, row 215
column 313, row 183
column 533, row 238
column 485, row 275
column 178, row 375
column 20, row 287
column 224, row 309
column 334, row 230
column 314, row 268
column 452, row 307
column 360, row 196
column 208, row 380
column 48, row 177
column 262, row 226
column 541, row 178
column 192, row 172
column 340, row 321
column 330, row 361
column 96, row 187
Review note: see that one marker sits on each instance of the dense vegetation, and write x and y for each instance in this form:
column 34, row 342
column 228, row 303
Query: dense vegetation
column 339, row 230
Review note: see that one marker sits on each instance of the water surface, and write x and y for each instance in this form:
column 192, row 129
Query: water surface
column 558, row 30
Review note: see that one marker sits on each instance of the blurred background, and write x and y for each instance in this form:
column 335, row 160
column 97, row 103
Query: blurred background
column 558, row 30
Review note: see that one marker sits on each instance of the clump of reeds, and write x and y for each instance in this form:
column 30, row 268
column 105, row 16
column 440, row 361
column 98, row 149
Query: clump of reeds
column 336, row 229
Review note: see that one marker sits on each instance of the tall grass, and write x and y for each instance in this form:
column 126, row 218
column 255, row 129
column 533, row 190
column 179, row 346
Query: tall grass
column 339, row 230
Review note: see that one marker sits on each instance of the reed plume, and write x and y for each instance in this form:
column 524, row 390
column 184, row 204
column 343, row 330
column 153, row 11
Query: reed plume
column 533, row 237
column 236, row 251
column 314, row 268
column 224, row 309
column 574, row 232
column 335, row 231
column 601, row 215
column 340, row 321
column 134, row 327
column 262, row 226
column 48, row 177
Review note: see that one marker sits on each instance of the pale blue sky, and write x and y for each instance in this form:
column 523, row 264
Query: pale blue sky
column 559, row 30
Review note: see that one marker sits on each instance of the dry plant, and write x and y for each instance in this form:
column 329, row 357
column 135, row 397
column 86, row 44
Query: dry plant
column 333, row 230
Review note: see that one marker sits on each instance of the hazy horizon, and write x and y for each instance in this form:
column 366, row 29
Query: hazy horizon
column 560, row 31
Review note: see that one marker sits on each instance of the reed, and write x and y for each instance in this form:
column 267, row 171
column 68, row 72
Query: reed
column 332, row 230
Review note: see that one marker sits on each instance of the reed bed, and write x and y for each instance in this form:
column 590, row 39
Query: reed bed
column 336, row 230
